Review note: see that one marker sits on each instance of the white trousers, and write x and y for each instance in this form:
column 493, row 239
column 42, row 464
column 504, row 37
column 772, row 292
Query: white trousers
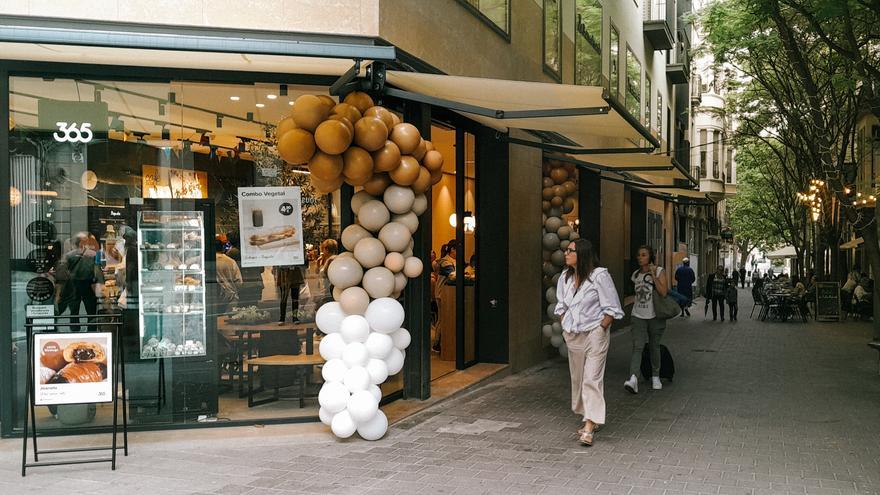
column 587, row 353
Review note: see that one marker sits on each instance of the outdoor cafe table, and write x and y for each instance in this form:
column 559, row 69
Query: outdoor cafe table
column 785, row 299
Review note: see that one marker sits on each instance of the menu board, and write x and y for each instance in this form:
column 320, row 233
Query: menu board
column 270, row 222
column 73, row 368
column 827, row 301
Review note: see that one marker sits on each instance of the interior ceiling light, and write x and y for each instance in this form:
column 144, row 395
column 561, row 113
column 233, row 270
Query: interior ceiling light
column 290, row 103
column 261, row 105
column 271, row 96
column 234, row 98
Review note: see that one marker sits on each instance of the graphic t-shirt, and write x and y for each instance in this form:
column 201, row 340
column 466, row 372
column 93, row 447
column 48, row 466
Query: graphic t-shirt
column 643, row 307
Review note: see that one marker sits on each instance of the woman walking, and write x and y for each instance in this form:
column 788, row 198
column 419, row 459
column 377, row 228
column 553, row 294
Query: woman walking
column 645, row 326
column 588, row 303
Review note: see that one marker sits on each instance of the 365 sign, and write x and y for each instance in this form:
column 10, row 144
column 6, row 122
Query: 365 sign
column 73, row 132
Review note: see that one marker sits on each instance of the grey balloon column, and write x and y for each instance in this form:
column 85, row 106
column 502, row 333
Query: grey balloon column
column 559, row 195
column 364, row 145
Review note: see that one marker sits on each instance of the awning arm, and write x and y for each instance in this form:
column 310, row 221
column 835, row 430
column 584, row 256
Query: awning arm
column 346, row 78
column 494, row 113
column 587, row 164
column 573, row 151
column 633, row 121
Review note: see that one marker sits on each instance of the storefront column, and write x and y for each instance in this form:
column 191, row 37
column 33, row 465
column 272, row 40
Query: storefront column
column 417, row 294
column 590, row 207
column 638, row 230
column 6, row 385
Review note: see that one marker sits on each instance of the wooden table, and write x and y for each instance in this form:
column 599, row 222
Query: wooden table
column 244, row 335
column 302, row 363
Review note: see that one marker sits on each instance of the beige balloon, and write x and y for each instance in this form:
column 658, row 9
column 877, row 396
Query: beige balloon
column 373, row 215
column 394, row 262
column 398, row 199
column 413, row 267
column 399, row 282
column 395, row 236
column 420, row 204
column 354, row 301
column 345, row 272
column 337, row 294
column 359, row 199
column 351, row 235
column 378, row 282
column 409, row 219
column 369, row 252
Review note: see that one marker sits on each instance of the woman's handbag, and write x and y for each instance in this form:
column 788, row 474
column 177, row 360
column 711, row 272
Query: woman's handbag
column 665, row 307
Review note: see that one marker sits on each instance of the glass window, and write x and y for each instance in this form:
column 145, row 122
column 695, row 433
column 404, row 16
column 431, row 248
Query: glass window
column 633, row 84
column 496, row 12
column 141, row 186
column 716, row 157
column 588, row 43
column 648, row 103
column 552, row 36
column 615, row 63
column 660, row 116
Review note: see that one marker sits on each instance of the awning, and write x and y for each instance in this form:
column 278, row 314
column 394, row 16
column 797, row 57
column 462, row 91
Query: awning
column 852, row 244
column 579, row 113
column 678, row 191
column 786, row 252
column 656, row 168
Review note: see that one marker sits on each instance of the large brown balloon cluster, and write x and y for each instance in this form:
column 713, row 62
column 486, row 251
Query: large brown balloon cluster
column 559, row 195
column 358, row 143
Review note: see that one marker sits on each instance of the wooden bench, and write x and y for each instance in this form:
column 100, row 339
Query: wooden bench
column 303, row 363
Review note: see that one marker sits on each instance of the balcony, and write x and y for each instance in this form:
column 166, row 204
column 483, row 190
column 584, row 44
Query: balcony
column 679, row 71
column 659, row 16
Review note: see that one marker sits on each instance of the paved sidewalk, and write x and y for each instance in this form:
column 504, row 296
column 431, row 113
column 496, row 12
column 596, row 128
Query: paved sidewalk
column 754, row 408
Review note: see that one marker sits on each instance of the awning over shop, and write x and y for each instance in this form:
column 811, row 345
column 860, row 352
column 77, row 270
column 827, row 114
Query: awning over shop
column 786, row 252
column 578, row 113
column 852, row 244
column 678, row 191
column 656, row 168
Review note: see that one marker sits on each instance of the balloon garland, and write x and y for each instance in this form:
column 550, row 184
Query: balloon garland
column 558, row 199
column 366, row 146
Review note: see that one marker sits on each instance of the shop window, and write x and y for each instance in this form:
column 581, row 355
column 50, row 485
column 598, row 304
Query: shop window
column 655, row 235
column 145, row 183
column 633, row 84
column 552, row 37
column 614, row 64
column 588, row 43
column 496, row 13
column 660, row 116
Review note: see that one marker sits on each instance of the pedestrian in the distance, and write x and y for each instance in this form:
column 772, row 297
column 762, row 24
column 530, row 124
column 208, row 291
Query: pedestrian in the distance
column 732, row 305
column 646, row 327
column 588, row 303
column 718, row 290
column 684, row 279
column 742, row 276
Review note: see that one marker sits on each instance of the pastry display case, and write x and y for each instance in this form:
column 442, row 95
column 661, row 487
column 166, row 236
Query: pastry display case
column 172, row 305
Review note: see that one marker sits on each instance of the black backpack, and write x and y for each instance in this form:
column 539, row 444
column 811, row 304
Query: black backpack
column 667, row 365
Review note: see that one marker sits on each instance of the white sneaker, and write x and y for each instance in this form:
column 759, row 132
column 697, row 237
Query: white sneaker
column 632, row 384
column 655, row 383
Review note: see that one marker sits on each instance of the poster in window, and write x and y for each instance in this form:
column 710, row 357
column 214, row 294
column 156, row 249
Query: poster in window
column 270, row 222
column 73, row 368
column 166, row 182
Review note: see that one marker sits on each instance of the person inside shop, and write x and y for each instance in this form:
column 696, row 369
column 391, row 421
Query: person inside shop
column 81, row 277
column 863, row 298
column 587, row 305
column 228, row 279
column 470, row 271
column 446, row 264
column 289, row 281
column 329, row 250
column 646, row 327
column 684, row 279
column 251, row 292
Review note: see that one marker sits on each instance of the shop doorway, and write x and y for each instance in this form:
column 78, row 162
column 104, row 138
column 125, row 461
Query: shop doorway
column 454, row 254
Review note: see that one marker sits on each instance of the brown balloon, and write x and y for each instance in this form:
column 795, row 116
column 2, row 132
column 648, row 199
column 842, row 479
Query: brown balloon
column 407, row 172
column 568, row 205
column 558, row 191
column 327, row 100
column 370, row 133
column 382, row 113
column 545, row 206
column 377, row 184
column 396, row 120
column 556, row 201
column 347, row 111
column 386, row 158
column 326, row 187
column 548, row 182
column 332, row 137
column 359, row 100
column 558, row 175
column 296, row 146
column 436, row 176
column 309, row 111
column 406, row 136
column 344, row 120
column 357, row 166
column 325, row 167
column 429, row 146
column 569, row 167
column 570, row 187
column 547, row 193
column 283, row 126
column 433, row 160
column 421, row 149
column 423, row 181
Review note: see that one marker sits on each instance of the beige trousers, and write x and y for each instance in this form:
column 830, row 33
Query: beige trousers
column 587, row 353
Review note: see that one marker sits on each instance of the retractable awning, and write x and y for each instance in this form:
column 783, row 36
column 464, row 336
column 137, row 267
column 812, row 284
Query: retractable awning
column 678, row 191
column 656, row 168
column 578, row 113
column 786, row 252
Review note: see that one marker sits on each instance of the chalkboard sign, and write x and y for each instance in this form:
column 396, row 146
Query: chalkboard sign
column 828, row 301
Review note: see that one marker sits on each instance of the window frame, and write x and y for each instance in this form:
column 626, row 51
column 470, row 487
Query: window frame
column 613, row 70
column 554, row 73
column 626, row 83
column 602, row 81
column 649, row 102
column 489, row 22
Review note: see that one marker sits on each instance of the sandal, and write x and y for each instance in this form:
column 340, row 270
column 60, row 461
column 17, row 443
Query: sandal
column 586, row 438
column 583, row 428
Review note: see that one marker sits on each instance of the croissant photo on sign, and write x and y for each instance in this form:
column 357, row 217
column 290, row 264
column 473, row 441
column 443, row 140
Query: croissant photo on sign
column 74, row 360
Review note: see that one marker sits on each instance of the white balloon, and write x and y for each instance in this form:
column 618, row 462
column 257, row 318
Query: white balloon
column 334, row 370
column 329, row 316
column 332, row 346
column 345, row 272
column 355, row 354
column 356, row 379
column 325, row 416
column 395, row 236
column 556, row 340
column 401, row 338
column 354, row 300
column 378, row 282
column 547, row 330
column 376, row 391
column 359, row 199
column 333, row 397
column 379, row 345
column 343, row 426
column 375, row 428
column 413, row 267
column 409, row 219
column 373, row 215
column 351, row 235
column 385, row 315
column 399, row 199
column 399, row 282
column 395, row 361
column 378, row 371
column 362, row 406
column 354, row 328
column 369, row 252
column 394, row 261
column 420, row 204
